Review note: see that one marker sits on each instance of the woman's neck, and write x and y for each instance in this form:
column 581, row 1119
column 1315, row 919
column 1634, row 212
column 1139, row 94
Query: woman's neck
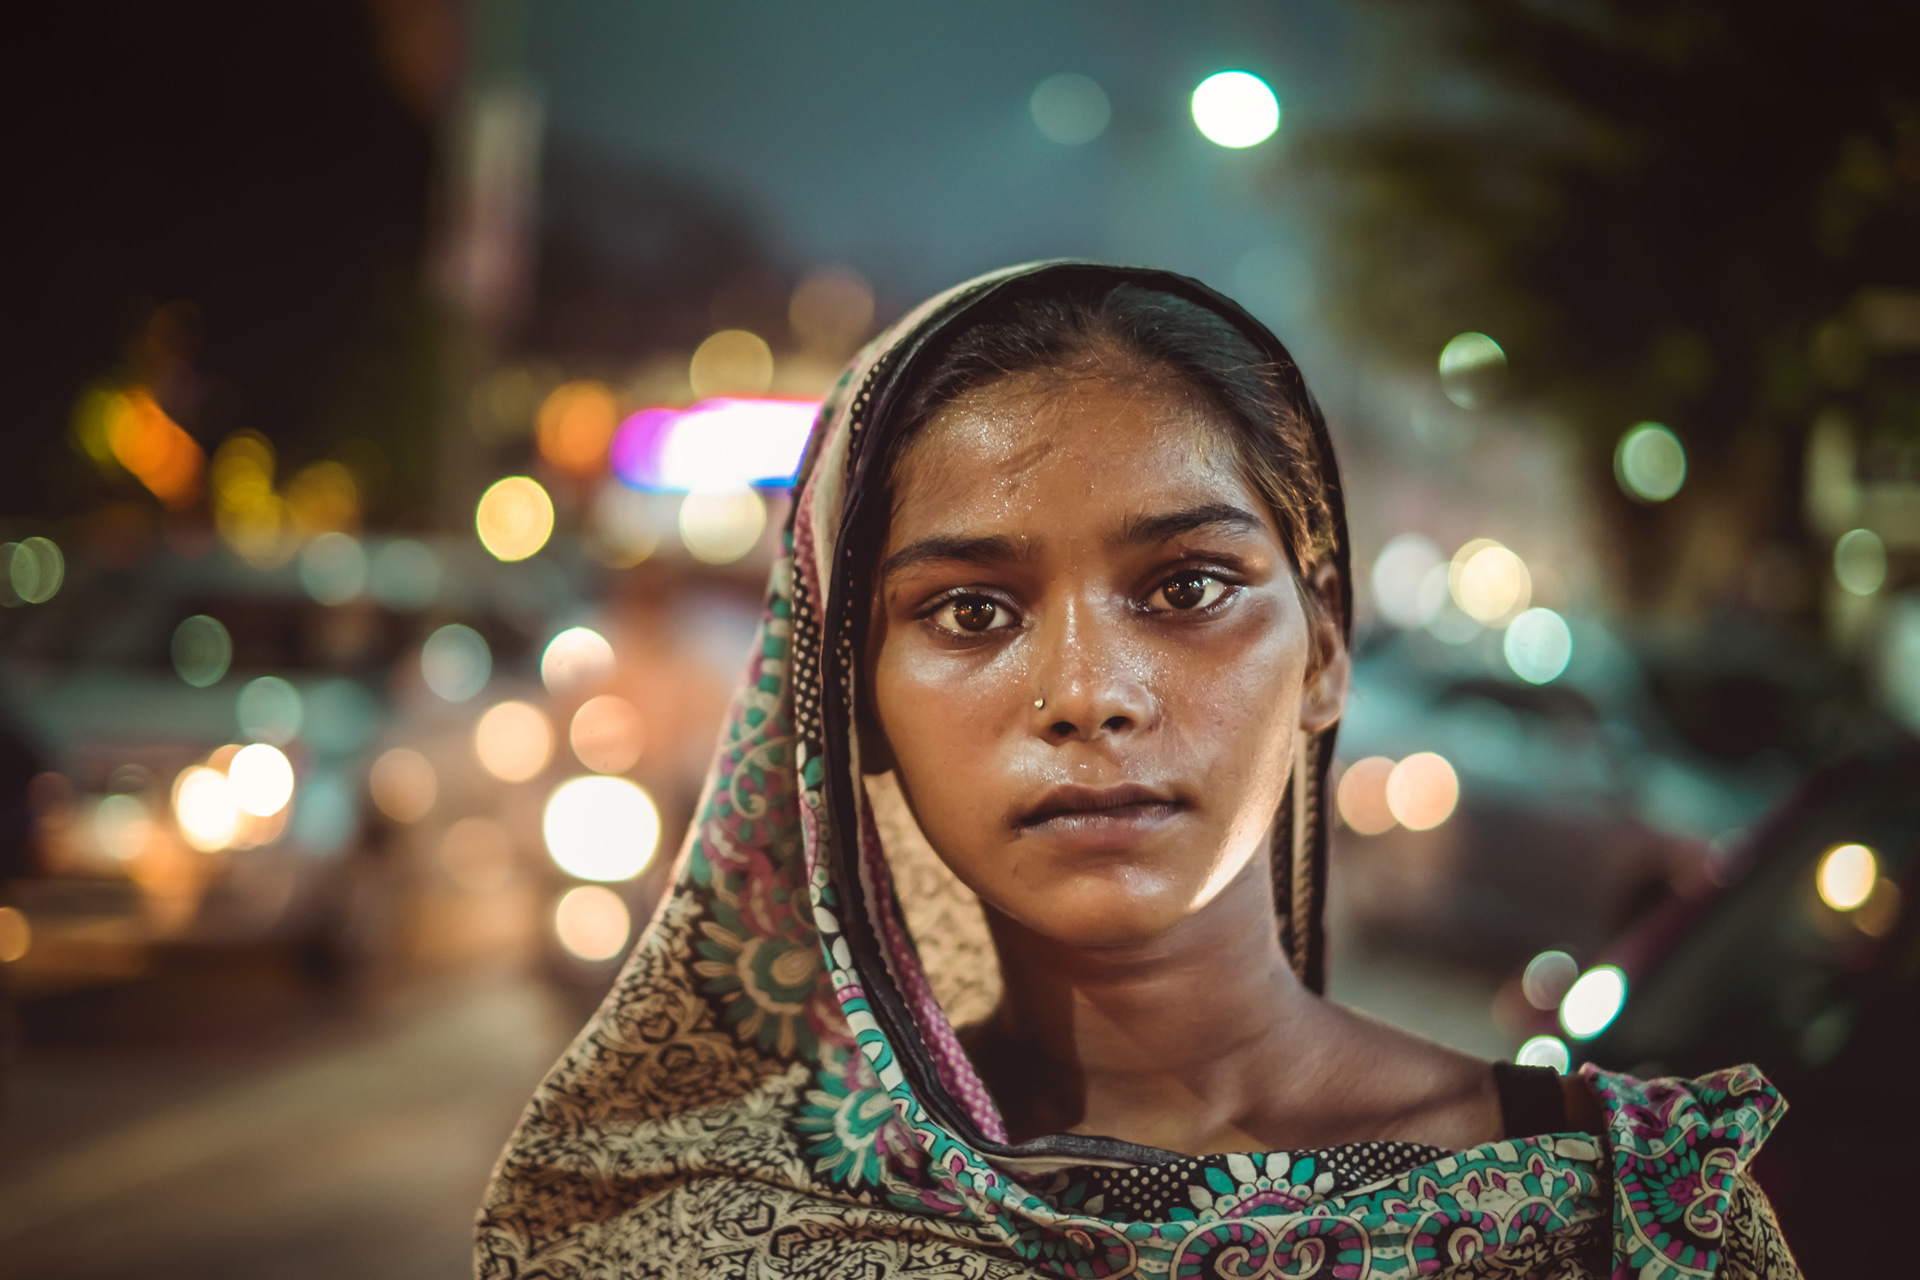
column 1170, row 1043
column 1204, row 1041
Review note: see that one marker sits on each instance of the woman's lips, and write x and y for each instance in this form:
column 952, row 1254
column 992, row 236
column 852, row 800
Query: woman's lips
column 1092, row 819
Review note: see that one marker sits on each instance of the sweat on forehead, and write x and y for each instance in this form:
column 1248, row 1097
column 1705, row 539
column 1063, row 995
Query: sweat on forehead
column 1018, row 422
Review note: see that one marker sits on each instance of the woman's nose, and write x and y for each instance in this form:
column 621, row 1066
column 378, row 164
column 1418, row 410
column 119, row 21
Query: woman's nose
column 1087, row 682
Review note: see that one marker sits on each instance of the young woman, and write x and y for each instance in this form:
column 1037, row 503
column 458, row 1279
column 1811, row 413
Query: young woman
column 1067, row 602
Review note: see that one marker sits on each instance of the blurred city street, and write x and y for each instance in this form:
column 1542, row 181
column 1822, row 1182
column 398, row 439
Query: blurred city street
column 228, row 1127
column 399, row 431
column 229, row 1123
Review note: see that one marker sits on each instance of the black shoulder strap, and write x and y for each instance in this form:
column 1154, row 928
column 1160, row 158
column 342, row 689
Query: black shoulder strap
column 1531, row 1102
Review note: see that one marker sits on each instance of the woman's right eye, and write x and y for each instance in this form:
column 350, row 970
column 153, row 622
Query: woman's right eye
column 973, row 614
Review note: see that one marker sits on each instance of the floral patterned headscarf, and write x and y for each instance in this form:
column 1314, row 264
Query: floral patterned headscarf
column 773, row 1088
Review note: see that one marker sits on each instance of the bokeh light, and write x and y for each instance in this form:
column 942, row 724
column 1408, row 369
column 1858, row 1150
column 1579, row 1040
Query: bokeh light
column 1422, row 791
column 456, row 662
column 333, row 568
column 1650, row 463
column 1070, row 109
column 719, row 528
column 716, row 445
column 1545, row 1051
column 1860, row 562
column 122, row 825
column 326, row 813
column 202, row 650
column 831, row 309
column 405, row 575
column 1593, row 1001
column 323, row 497
column 600, row 828
column 34, row 570
column 1538, row 646
column 262, row 779
column 1235, row 109
column 624, row 525
column 607, row 734
column 732, row 362
column 1472, row 369
column 578, row 658
column 403, row 784
column 269, row 709
column 151, row 445
column 205, row 808
column 1489, row 582
column 591, row 922
column 513, row 740
column 477, row 854
column 1362, row 796
column 1846, row 876
column 250, row 516
column 514, row 518
column 1409, row 582
column 16, row 934
column 1548, row 978
column 575, row 425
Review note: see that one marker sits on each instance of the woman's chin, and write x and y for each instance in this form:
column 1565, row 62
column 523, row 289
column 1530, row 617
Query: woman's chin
column 1105, row 917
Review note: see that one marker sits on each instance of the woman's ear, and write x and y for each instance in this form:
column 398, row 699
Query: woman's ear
column 1323, row 696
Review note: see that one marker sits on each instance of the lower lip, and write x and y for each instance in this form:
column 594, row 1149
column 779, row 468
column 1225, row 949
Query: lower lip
column 1103, row 830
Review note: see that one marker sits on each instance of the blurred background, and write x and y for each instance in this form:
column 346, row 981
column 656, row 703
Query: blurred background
column 399, row 403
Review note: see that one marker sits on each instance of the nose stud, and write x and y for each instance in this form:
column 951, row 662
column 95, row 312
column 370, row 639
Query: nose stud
column 1038, row 703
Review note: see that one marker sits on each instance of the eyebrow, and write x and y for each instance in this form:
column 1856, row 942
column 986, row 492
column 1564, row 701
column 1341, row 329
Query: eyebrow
column 1146, row 530
column 1134, row 531
column 990, row 550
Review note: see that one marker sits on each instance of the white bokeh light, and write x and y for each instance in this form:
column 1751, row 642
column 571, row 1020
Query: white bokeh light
column 1538, row 646
column 205, row 808
column 262, row 779
column 577, row 658
column 1235, row 109
column 1594, row 1001
column 1406, row 589
column 1545, row 1051
column 601, row 828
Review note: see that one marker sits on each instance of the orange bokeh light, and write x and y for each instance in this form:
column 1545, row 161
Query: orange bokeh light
column 155, row 448
column 575, row 424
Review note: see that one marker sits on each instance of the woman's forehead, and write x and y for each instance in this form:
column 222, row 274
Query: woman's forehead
column 1031, row 422
column 1044, row 447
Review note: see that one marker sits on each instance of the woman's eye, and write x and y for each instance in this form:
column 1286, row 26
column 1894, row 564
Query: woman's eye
column 973, row 614
column 1190, row 591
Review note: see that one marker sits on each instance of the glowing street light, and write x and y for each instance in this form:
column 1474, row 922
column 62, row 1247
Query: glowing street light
column 1235, row 109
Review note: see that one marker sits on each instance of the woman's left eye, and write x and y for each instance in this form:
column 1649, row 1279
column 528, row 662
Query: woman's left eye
column 1187, row 592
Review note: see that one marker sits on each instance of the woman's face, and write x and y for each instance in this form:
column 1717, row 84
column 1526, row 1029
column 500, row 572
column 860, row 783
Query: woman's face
column 1089, row 655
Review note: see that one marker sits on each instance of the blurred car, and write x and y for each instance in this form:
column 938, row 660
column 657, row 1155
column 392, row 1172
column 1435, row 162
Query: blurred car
column 1802, row 955
column 1578, row 802
column 207, row 729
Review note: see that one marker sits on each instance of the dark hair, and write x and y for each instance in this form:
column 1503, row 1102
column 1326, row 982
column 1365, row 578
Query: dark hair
column 1263, row 404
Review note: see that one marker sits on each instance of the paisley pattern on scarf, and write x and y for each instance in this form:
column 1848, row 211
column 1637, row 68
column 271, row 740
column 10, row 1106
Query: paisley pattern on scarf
column 740, row 1107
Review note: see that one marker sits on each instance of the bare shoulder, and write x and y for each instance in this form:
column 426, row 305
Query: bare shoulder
column 1416, row 1089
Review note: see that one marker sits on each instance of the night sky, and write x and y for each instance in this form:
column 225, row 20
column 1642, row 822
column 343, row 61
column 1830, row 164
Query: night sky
column 897, row 138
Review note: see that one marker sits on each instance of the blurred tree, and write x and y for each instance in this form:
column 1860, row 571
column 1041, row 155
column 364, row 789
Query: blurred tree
column 1679, row 210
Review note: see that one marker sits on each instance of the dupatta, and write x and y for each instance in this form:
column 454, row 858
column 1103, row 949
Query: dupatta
column 773, row 1086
